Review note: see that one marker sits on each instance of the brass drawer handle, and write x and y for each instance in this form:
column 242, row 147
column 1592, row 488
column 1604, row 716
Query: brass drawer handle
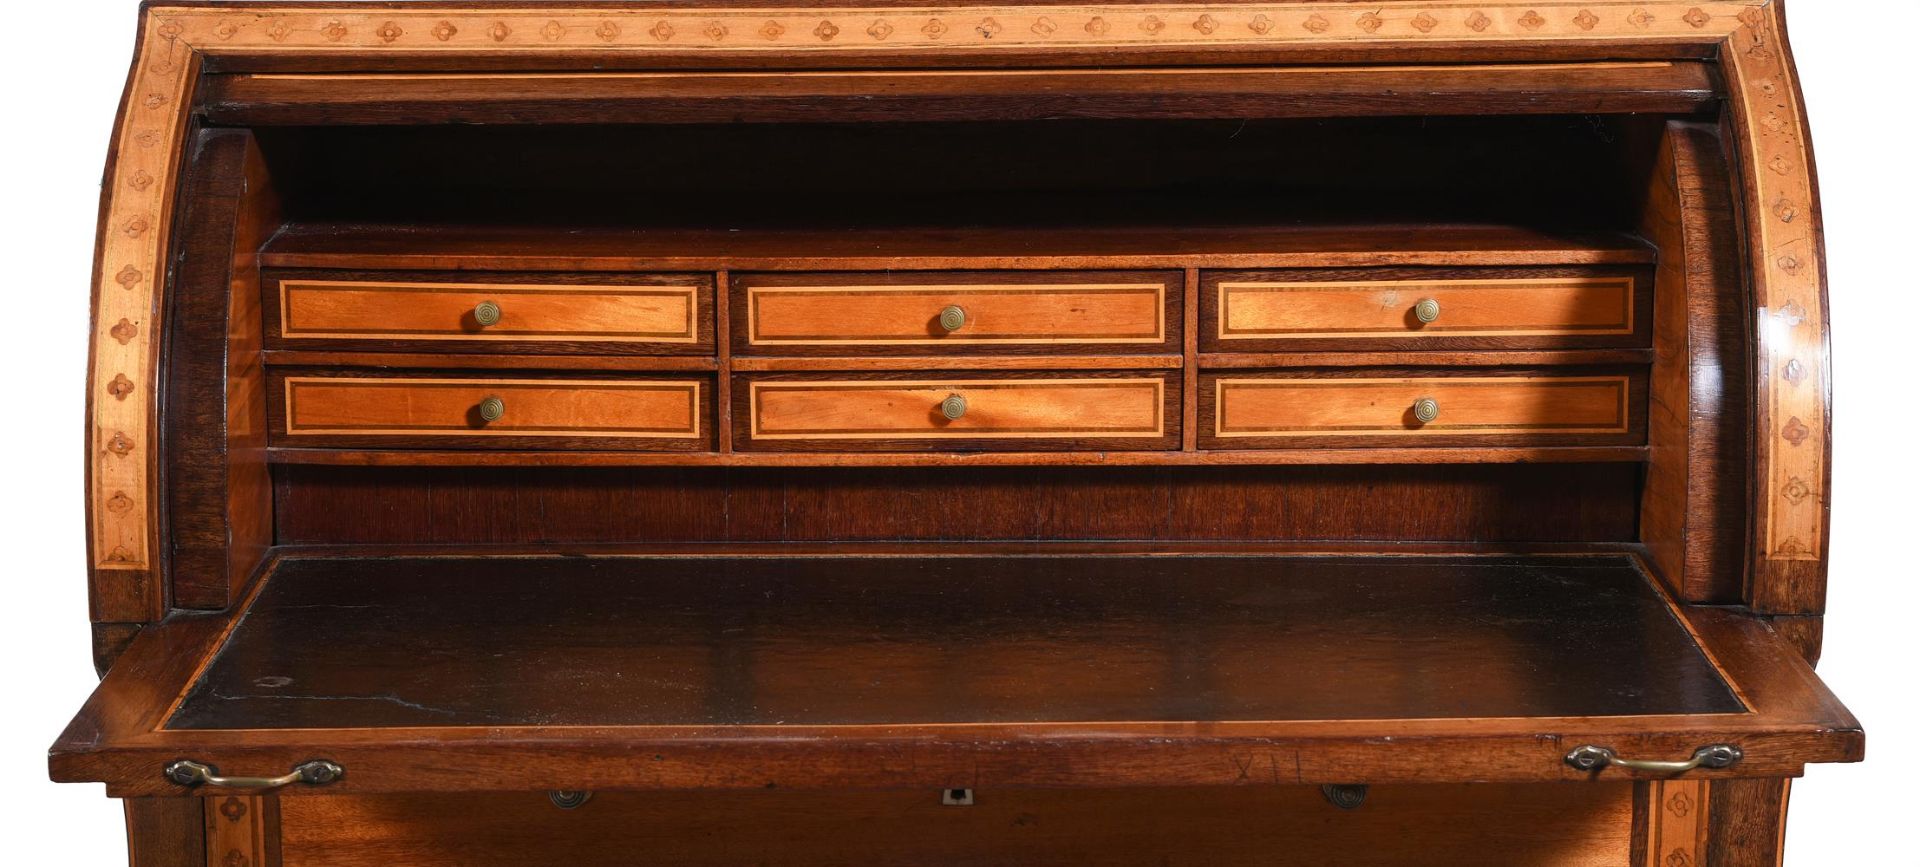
column 487, row 313
column 1425, row 410
column 953, row 407
column 1427, row 311
column 1593, row 758
column 318, row 772
column 953, row 318
column 492, row 409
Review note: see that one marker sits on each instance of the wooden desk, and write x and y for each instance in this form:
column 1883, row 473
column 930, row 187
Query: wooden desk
column 1115, row 433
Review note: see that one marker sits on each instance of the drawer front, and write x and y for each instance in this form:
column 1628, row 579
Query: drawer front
column 786, row 314
column 545, row 413
column 1000, row 413
column 1489, row 308
column 655, row 315
column 1280, row 410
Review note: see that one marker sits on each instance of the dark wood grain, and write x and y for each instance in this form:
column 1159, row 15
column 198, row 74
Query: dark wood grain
column 505, row 504
column 1241, row 92
column 220, row 498
column 165, row 832
column 1358, row 244
column 927, row 640
column 1748, row 826
column 1398, row 826
column 1699, row 407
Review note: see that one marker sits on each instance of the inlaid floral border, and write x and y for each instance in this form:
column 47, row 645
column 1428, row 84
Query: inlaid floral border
column 1791, row 501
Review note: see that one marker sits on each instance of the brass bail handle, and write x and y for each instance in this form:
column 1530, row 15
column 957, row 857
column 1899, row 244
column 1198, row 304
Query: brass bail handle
column 1593, row 758
column 189, row 773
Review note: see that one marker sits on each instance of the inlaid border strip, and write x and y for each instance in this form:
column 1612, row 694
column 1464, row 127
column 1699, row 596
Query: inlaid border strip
column 1622, row 384
column 688, row 332
column 1677, row 813
column 954, row 292
column 1158, row 428
column 1792, row 447
column 1226, row 289
column 291, row 386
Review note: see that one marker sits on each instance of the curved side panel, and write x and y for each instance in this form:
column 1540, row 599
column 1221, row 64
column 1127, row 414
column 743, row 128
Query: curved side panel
column 122, row 405
column 1792, row 444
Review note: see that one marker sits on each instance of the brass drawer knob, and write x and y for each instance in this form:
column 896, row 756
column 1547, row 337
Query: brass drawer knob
column 953, row 317
column 492, row 409
column 953, row 407
column 1428, row 310
column 1425, row 410
column 487, row 313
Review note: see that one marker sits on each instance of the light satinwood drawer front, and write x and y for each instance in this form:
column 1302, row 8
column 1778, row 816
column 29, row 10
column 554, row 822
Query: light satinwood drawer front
column 550, row 313
column 1000, row 412
column 652, row 413
column 1285, row 408
column 1424, row 308
column 1009, row 312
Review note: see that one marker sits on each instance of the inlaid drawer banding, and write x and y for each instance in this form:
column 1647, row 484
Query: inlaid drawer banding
column 313, row 309
column 958, row 409
column 1269, row 407
column 372, row 406
column 1522, row 307
column 854, row 314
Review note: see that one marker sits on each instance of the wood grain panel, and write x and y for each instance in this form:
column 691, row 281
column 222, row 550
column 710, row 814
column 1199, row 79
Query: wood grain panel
column 1543, row 307
column 861, row 412
column 1281, row 409
column 854, row 315
column 317, row 407
column 1573, row 825
column 357, row 310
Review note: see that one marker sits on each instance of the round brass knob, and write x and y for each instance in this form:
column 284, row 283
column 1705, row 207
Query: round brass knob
column 486, row 313
column 1426, row 409
column 953, row 317
column 953, row 407
column 1427, row 310
column 492, row 409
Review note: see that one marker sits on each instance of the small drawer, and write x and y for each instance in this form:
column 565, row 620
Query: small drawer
column 972, row 411
column 1455, row 408
column 802, row 314
column 534, row 313
column 403, row 411
column 1486, row 308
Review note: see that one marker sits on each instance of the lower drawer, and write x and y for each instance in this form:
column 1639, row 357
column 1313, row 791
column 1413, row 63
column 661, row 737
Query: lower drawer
column 986, row 411
column 1284, row 409
column 440, row 411
column 1489, row 825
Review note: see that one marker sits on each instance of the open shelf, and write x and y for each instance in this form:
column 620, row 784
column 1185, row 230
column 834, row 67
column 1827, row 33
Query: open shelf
column 1321, row 245
column 747, row 667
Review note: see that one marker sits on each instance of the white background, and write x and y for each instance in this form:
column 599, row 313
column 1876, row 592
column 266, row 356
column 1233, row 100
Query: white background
column 66, row 63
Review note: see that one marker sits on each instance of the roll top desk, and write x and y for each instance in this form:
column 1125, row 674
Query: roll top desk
column 613, row 433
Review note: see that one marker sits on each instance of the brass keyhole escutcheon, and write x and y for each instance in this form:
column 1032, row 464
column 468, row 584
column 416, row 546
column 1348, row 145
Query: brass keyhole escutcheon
column 492, row 409
column 1427, row 311
column 953, row 318
column 953, row 407
column 1425, row 410
column 487, row 313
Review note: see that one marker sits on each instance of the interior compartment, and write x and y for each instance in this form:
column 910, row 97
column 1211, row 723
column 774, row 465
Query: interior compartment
column 1563, row 173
